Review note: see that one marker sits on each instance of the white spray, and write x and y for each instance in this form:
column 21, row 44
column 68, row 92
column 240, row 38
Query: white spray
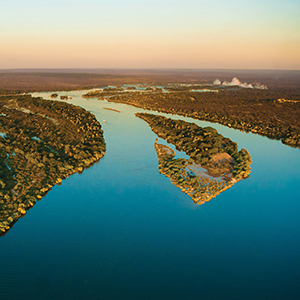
column 236, row 82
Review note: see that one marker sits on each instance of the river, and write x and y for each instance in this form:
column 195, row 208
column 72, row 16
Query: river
column 121, row 230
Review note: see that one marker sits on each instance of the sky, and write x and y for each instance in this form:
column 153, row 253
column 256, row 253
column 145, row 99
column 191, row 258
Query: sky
column 217, row 34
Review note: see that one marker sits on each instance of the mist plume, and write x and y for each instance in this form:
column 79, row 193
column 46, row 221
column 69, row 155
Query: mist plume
column 236, row 82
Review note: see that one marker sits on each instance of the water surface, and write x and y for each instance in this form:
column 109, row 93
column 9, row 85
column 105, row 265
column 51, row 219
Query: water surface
column 121, row 230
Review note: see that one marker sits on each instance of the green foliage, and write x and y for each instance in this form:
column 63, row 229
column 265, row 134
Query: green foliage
column 201, row 144
column 249, row 110
column 45, row 141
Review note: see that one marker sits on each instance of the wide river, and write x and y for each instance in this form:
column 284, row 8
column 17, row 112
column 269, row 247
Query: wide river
column 121, row 230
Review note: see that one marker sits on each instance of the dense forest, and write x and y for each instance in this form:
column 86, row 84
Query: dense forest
column 261, row 111
column 268, row 112
column 215, row 163
column 41, row 143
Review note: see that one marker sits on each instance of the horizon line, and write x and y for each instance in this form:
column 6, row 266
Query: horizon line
column 151, row 69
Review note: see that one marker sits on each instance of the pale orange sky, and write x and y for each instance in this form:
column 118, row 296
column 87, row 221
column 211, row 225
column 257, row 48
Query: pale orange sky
column 165, row 34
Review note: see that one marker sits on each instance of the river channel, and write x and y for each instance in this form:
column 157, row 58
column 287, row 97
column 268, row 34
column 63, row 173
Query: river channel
column 121, row 230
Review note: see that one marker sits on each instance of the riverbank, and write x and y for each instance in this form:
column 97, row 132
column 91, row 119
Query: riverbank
column 256, row 111
column 214, row 163
column 260, row 111
column 45, row 142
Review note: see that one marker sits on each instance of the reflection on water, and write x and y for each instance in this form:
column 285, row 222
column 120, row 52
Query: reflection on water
column 44, row 145
column 120, row 230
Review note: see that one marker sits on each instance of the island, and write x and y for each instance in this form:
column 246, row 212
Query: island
column 268, row 104
column 215, row 164
column 54, row 95
column 102, row 93
column 64, row 97
column 42, row 142
column 260, row 111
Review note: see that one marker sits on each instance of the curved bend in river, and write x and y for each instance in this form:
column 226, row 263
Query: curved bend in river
column 41, row 143
column 215, row 163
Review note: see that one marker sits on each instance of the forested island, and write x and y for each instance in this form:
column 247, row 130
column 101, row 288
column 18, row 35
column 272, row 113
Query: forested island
column 215, row 164
column 270, row 113
column 42, row 142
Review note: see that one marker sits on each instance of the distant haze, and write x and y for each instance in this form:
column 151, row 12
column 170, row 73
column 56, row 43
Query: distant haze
column 150, row 34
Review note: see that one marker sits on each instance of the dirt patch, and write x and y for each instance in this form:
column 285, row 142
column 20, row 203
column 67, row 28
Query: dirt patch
column 163, row 150
column 221, row 158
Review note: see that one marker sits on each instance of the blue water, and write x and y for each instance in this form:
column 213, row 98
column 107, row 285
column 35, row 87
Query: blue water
column 121, row 230
column 3, row 135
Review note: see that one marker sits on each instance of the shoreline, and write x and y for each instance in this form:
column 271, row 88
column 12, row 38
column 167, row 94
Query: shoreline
column 47, row 141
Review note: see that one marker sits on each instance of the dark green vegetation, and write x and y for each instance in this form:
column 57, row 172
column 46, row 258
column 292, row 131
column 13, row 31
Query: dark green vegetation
column 215, row 163
column 63, row 97
column 250, row 110
column 41, row 143
column 100, row 94
column 54, row 95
